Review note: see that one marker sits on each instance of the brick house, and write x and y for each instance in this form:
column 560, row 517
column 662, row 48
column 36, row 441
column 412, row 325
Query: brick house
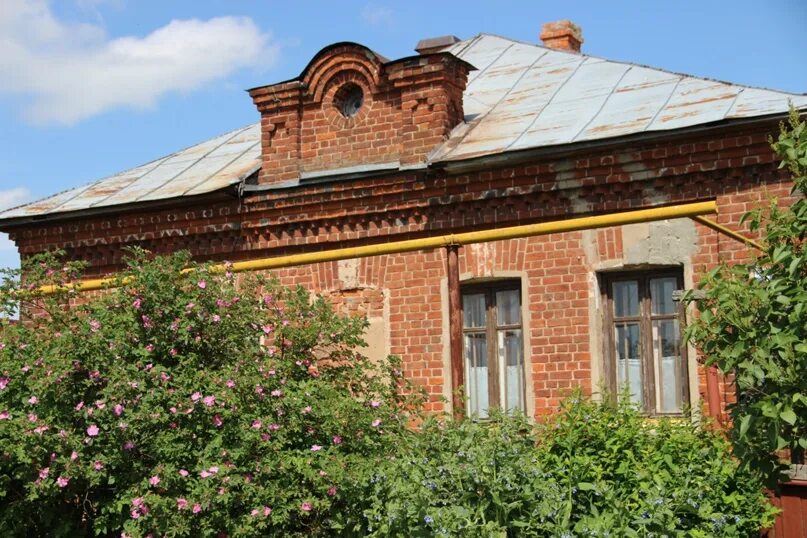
column 481, row 135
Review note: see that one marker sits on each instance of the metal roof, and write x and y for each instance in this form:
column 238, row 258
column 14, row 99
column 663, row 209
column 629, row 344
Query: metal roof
column 213, row 165
column 525, row 96
column 521, row 96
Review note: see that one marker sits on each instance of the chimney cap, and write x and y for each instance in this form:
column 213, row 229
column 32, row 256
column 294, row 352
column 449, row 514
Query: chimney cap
column 434, row 44
column 562, row 35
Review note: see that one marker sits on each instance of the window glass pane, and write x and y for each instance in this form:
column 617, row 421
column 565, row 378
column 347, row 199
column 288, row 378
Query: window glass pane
column 476, row 373
column 669, row 368
column 511, row 368
column 628, row 360
column 661, row 290
column 626, row 298
column 473, row 310
column 508, row 307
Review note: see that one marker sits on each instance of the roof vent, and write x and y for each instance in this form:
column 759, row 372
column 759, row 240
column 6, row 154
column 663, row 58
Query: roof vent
column 562, row 35
column 435, row 44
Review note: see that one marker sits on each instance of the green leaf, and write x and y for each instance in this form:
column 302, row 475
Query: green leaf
column 788, row 416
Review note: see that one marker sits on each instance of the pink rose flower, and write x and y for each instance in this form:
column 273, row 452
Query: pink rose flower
column 181, row 503
column 209, row 401
column 230, row 383
column 202, row 285
column 183, row 472
column 256, row 424
column 92, row 431
column 277, row 393
column 204, row 474
column 79, row 406
column 98, row 465
column 136, row 303
column 73, row 456
column 4, row 382
column 137, row 502
column 95, row 325
column 32, row 417
column 306, row 409
column 374, row 403
column 33, row 400
column 135, row 514
column 337, row 440
column 4, row 415
column 196, row 508
column 213, row 469
column 217, row 421
column 43, row 473
column 315, row 448
column 267, row 329
column 154, row 480
column 377, row 423
column 306, row 507
column 62, row 481
column 118, row 409
column 332, row 491
column 196, row 396
column 216, row 318
column 266, row 511
column 128, row 445
column 254, row 512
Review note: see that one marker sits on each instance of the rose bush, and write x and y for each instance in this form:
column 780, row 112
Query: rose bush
column 182, row 404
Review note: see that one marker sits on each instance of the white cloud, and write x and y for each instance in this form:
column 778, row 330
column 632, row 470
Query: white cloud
column 72, row 71
column 377, row 15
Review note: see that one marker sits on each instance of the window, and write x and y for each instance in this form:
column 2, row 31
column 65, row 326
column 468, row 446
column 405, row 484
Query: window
column 493, row 347
column 643, row 340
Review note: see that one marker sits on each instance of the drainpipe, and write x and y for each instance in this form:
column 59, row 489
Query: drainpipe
column 455, row 330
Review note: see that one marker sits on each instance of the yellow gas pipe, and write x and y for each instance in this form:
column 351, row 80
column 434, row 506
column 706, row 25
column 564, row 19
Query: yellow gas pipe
column 513, row 232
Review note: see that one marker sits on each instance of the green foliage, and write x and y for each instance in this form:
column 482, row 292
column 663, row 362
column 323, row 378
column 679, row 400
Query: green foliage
column 596, row 470
column 753, row 323
column 181, row 404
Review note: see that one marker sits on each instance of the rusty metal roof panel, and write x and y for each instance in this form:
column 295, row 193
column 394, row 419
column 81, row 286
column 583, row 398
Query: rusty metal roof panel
column 563, row 97
column 633, row 105
column 206, row 167
column 695, row 101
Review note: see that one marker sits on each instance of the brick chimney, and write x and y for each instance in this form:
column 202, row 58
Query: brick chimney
column 435, row 44
column 352, row 110
column 562, row 35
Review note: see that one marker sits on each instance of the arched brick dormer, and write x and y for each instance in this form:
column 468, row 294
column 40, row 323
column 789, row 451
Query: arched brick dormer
column 352, row 109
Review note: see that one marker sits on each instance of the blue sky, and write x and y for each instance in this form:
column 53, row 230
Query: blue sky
column 92, row 87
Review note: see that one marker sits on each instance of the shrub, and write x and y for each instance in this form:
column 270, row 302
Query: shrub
column 753, row 324
column 182, row 404
column 596, row 470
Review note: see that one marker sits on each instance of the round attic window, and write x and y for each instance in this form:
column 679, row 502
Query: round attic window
column 349, row 100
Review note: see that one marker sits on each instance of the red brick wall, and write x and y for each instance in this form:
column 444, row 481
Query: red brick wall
column 410, row 106
column 734, row 166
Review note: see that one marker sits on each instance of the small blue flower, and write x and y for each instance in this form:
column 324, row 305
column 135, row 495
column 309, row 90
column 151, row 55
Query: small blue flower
column 428, row 520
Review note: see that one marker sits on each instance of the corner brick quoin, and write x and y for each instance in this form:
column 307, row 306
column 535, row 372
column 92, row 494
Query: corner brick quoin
column 344, row 161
